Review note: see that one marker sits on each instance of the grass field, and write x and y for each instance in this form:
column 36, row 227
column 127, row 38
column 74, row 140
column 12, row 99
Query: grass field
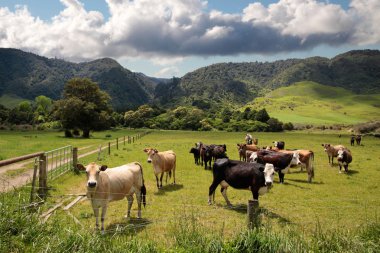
column 312, row 103
column 333, row 200
column 17, row 143
column 336, row 203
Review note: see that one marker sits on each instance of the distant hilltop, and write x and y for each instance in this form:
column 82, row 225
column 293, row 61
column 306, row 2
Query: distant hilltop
column 27, row 75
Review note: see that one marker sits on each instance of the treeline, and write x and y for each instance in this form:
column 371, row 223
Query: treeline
column 84, row 107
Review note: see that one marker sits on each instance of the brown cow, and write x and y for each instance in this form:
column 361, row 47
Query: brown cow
column 164, row 161
column 306, row 158
column 344, row 158
column 332, row 151
column 105, row 185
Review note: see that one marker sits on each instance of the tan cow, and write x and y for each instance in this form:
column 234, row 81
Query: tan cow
column 105, row 185
column 306, row 158
column 332, row 151
column 164, row 161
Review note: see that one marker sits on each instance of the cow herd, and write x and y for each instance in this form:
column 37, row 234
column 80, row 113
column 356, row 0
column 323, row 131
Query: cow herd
column 254, row 171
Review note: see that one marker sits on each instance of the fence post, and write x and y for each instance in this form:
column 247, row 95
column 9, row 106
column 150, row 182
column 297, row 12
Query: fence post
column 253, row 214
column 99, row 152
column 109, row 148
column 117, row 143
column 42, row 177
column 124, row 140
column 34, row 180
column 75, row 159
column 133, row 139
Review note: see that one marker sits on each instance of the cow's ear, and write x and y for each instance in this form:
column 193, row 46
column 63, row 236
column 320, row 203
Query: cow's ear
column 103, row 167
column 261, row 168
column 323, row 145
column 80, row 167
column 155, row 151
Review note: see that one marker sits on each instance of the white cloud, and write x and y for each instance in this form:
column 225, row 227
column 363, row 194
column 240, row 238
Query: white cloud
column 167, row 72
column 167, row 29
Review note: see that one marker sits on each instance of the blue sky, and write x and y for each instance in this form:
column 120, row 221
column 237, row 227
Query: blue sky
column 166, row 38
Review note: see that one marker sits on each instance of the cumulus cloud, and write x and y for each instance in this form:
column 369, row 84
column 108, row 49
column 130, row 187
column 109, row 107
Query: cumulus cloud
column 181, row 28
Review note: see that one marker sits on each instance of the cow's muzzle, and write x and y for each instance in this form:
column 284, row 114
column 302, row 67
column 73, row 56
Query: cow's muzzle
column 149, row 161
column 91, row 184
column 269, row 184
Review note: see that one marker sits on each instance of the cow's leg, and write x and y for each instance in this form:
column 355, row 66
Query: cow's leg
column 139, row 200
column 332, row 160
column 224, row 193
column 255, row 194
column 162, row 175
column 104, row 210
column 345, row 167
column 166, row 178
column 130, row 202
column 96, row 214
column 281, row 176
column 212, row 190
column 158, row 186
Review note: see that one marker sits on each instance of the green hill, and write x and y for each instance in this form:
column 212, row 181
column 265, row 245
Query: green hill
column 313, row 103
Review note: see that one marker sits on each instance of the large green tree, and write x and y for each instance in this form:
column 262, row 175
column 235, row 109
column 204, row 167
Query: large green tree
column 83, row 106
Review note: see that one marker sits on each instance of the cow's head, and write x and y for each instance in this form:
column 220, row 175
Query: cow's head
column 253, row 157
column 275, row 143
column 326, row 146
column 296, row 158
column 93, row 170
column 340, row 154
column 151, row 153
column 268, row 174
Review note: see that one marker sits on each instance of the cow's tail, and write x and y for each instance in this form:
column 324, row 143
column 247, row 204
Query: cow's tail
column 143, row 188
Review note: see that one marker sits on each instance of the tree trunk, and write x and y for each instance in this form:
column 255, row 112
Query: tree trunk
column 86, row 133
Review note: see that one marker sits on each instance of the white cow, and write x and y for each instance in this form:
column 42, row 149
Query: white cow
column 105, row 185
column 164, row 161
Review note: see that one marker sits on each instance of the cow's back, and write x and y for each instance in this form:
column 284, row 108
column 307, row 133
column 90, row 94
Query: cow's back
column 167, row 160
column 121, row 180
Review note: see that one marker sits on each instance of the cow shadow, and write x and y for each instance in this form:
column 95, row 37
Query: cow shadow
column 349, row 173
column 304, row 181
column 294, row 185
column 273, row 215
column 239, row 208
column 130, row 226
column 168, row 188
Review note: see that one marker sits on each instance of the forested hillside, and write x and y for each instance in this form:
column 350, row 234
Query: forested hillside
column 27, row 76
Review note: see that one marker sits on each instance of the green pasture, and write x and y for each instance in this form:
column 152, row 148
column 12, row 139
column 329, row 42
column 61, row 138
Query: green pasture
column 18, row 143
column 332, row 202
column 10, row 100
column 312, row 103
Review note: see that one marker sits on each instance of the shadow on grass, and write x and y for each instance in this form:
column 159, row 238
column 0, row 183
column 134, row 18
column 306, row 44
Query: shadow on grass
column 349, row 173
column 273, row 215
column 130, row 226
column 294, row 185
column 168, row 188
column 304, row 181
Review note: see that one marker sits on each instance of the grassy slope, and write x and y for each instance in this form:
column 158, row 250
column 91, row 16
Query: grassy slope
column 11, row 101
column 332, row 201
column 312, row 103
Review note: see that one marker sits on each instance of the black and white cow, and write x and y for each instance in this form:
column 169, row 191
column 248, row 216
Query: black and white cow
column 279, row 144
column 241, row 175
column 344, row 158
column 280, row 161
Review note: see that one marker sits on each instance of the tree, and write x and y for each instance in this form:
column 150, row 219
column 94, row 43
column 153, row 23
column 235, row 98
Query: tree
column 43, row 107
column 84, row 106
column 262, row 115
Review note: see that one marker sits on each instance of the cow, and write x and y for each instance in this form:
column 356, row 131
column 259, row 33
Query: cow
column 344, row 158
column 358, row 139
column 352, row 141
column 218, row 151
column 242, row 154
column 164, row 161
column 196, row 154
column 244, row 148
column 306, row 158
column 248, row 139
column 241, row 175
column 110, row 184
column 206, row 155
column 279, row 144
column 280, row 161
column 332, row 151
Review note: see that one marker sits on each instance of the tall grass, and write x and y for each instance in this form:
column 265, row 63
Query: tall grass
column 22, row 231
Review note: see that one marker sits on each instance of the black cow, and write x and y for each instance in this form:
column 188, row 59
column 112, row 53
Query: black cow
column 206, row 155
column 241, row 175
column 279, row 144
column 196, row 154
column 280, row 161
column 352, row 141
column 344, row 158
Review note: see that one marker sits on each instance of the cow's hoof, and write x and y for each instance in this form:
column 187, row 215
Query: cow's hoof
column 102, row 232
